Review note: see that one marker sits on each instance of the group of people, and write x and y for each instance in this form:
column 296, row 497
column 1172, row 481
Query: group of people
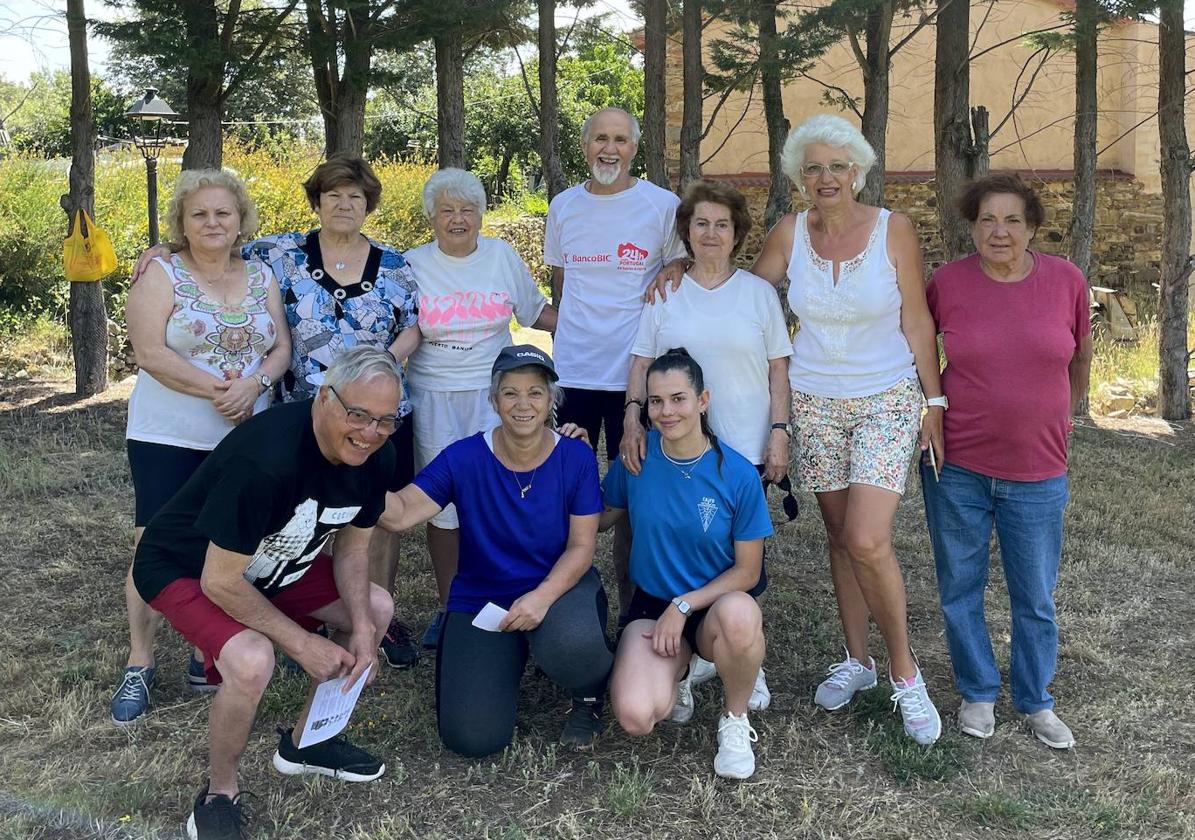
column 262, row 528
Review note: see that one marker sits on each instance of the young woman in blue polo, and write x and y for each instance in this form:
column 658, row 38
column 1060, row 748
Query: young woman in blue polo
column 699, row 518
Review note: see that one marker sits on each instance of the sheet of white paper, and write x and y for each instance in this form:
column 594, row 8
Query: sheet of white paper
column 490, row 617
column 331, row 709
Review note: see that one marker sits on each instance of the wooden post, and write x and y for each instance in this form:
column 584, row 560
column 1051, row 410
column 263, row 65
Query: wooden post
column 88, row 318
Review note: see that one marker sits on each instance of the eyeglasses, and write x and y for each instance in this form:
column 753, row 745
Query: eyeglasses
column 789, row 503
column 836, row 168
column 358, row 419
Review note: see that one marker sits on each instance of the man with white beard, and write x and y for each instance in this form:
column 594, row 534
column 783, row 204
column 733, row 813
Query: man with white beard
column 606, row 239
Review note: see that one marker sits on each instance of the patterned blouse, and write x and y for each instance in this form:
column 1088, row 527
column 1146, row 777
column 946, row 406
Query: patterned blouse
column 325, row 317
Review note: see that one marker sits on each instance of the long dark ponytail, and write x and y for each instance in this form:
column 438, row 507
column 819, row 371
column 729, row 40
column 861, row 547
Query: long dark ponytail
column 678, row 358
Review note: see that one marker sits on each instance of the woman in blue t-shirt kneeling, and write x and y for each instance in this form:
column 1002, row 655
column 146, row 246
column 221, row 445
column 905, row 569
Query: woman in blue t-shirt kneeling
column 699, row 518
column 528, row 501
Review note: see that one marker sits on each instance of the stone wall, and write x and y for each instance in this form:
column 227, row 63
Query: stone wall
column 1128, row 227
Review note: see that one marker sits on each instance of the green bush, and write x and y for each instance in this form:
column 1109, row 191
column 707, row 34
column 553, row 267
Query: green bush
column 32, row 225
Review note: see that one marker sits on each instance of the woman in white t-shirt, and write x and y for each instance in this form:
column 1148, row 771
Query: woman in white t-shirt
column 470, row 286
column 730, row 321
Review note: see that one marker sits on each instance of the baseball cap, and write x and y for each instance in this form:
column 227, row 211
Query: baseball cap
column 521, row 355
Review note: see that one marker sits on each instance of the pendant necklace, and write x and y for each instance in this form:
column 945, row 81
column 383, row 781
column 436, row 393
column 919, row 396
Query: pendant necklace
column 691, row 464
column 523, row 490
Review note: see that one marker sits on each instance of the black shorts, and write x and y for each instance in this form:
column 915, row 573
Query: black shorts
column 403, row 441
column 158, row 470
column 649, row 606
column 591, row 410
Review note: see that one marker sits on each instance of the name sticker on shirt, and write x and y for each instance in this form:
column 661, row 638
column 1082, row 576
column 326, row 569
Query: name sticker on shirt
column 338, row 516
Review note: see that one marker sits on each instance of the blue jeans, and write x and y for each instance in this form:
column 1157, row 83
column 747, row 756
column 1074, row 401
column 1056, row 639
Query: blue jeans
column 961, row 509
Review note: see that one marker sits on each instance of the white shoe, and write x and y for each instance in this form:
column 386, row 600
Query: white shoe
column 920, row 715
column 761, row 695
column 735, row 758
column 846, row 678
column 701, row 670
column 682, row 709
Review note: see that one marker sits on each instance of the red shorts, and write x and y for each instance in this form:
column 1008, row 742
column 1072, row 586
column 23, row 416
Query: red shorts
column 208, row 627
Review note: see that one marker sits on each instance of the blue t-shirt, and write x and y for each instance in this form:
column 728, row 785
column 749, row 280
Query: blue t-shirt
column 509, row 542
column 685, row 528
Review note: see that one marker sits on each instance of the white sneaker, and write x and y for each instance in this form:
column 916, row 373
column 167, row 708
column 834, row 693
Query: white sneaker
column 846, row 678
column 701, row 670
column 682, row 709
column 735, row 758
column 921, row 719
column 761, row 695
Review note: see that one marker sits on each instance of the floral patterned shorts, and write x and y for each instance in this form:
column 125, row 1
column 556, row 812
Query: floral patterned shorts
column 856, row 440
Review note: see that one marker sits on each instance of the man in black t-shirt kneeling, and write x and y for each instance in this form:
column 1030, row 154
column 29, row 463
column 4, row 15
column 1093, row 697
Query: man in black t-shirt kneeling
column 234, row 562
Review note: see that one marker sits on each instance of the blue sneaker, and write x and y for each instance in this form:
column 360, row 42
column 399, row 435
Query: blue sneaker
column 131, row 699
column 197, row 676
column 431, row 636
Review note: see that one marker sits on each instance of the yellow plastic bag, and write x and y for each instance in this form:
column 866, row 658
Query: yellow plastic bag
column 87, row 254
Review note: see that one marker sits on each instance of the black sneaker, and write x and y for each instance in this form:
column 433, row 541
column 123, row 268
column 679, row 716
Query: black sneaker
column 220, row 819
column 335, row 757
column 583, row 724
column 397, row 646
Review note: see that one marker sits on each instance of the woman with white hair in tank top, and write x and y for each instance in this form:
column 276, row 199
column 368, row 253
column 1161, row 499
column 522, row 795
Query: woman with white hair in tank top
column 863, row 359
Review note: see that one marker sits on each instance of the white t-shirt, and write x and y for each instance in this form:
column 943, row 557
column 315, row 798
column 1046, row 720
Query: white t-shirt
column 465, row 306
column 610, row 247
column 732, row 331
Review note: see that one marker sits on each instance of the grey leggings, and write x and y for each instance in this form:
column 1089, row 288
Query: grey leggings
column 478, row 672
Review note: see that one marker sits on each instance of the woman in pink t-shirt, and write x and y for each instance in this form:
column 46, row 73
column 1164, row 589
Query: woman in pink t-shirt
column 1016, row 332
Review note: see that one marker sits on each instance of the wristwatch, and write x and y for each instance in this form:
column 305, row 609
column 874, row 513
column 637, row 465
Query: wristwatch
column 941, row 402
column 784, row 427
column 264, row 379
column 682, row 606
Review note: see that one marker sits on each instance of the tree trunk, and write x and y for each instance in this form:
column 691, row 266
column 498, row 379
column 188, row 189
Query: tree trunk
column 979, row 160
column 321, row 48
column 549, row 114
column 349, row 109
column 691, row 118
column 1083, row 217
column 205, row 83
column 1174, row 401
column 875, row 97
column 655, row 24
column 88, row 317
column 952, row 134
column 450, row 97
column 779, row 188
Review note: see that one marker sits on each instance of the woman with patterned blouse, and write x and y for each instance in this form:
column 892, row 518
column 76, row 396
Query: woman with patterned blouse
column 204, row 325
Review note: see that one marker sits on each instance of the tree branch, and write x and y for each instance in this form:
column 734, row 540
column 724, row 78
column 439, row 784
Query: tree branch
column 926, row 20
column 272, row 33
column 738, row 122
column 1017, row 100
column 1020, row 37
column 845, row 94
column 527, row 84
column 726, row 92
column 230, row 25
column 857, row 49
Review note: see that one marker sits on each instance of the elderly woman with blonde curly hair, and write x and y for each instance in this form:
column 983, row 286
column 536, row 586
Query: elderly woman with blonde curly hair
column 209, row 332
column 864, row 362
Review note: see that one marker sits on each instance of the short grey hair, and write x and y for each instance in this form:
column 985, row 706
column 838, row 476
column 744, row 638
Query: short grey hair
column 829, row 130
column 362, row 362
column 636, row 131
column 191, row 181
column 555, row 392
column 453, row 183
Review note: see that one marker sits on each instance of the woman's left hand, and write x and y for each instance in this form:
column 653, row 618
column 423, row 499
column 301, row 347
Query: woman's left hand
column 667, row 633
column 775, row 465
column 237, row 398
column 526, row 612
column 572, row 430
column 931, row 433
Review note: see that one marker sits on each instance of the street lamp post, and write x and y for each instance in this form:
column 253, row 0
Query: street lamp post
column 150, row 114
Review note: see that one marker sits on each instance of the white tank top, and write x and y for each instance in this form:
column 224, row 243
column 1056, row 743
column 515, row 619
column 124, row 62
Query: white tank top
column 850, row 343
column 228, row 342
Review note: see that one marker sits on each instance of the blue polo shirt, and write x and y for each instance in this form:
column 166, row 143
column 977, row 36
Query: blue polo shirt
column 509, row 541
column 685, row 528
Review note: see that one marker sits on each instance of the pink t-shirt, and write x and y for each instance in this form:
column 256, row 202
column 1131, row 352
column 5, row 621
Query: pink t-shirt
column 1008, row 352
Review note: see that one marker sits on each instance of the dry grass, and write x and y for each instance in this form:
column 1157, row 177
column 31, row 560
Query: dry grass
column 1123, row 684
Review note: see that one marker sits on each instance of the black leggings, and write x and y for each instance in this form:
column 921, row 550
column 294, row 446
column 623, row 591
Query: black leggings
column 478, row 672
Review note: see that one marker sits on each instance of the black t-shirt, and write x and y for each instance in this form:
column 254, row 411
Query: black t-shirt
column 266, row 491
